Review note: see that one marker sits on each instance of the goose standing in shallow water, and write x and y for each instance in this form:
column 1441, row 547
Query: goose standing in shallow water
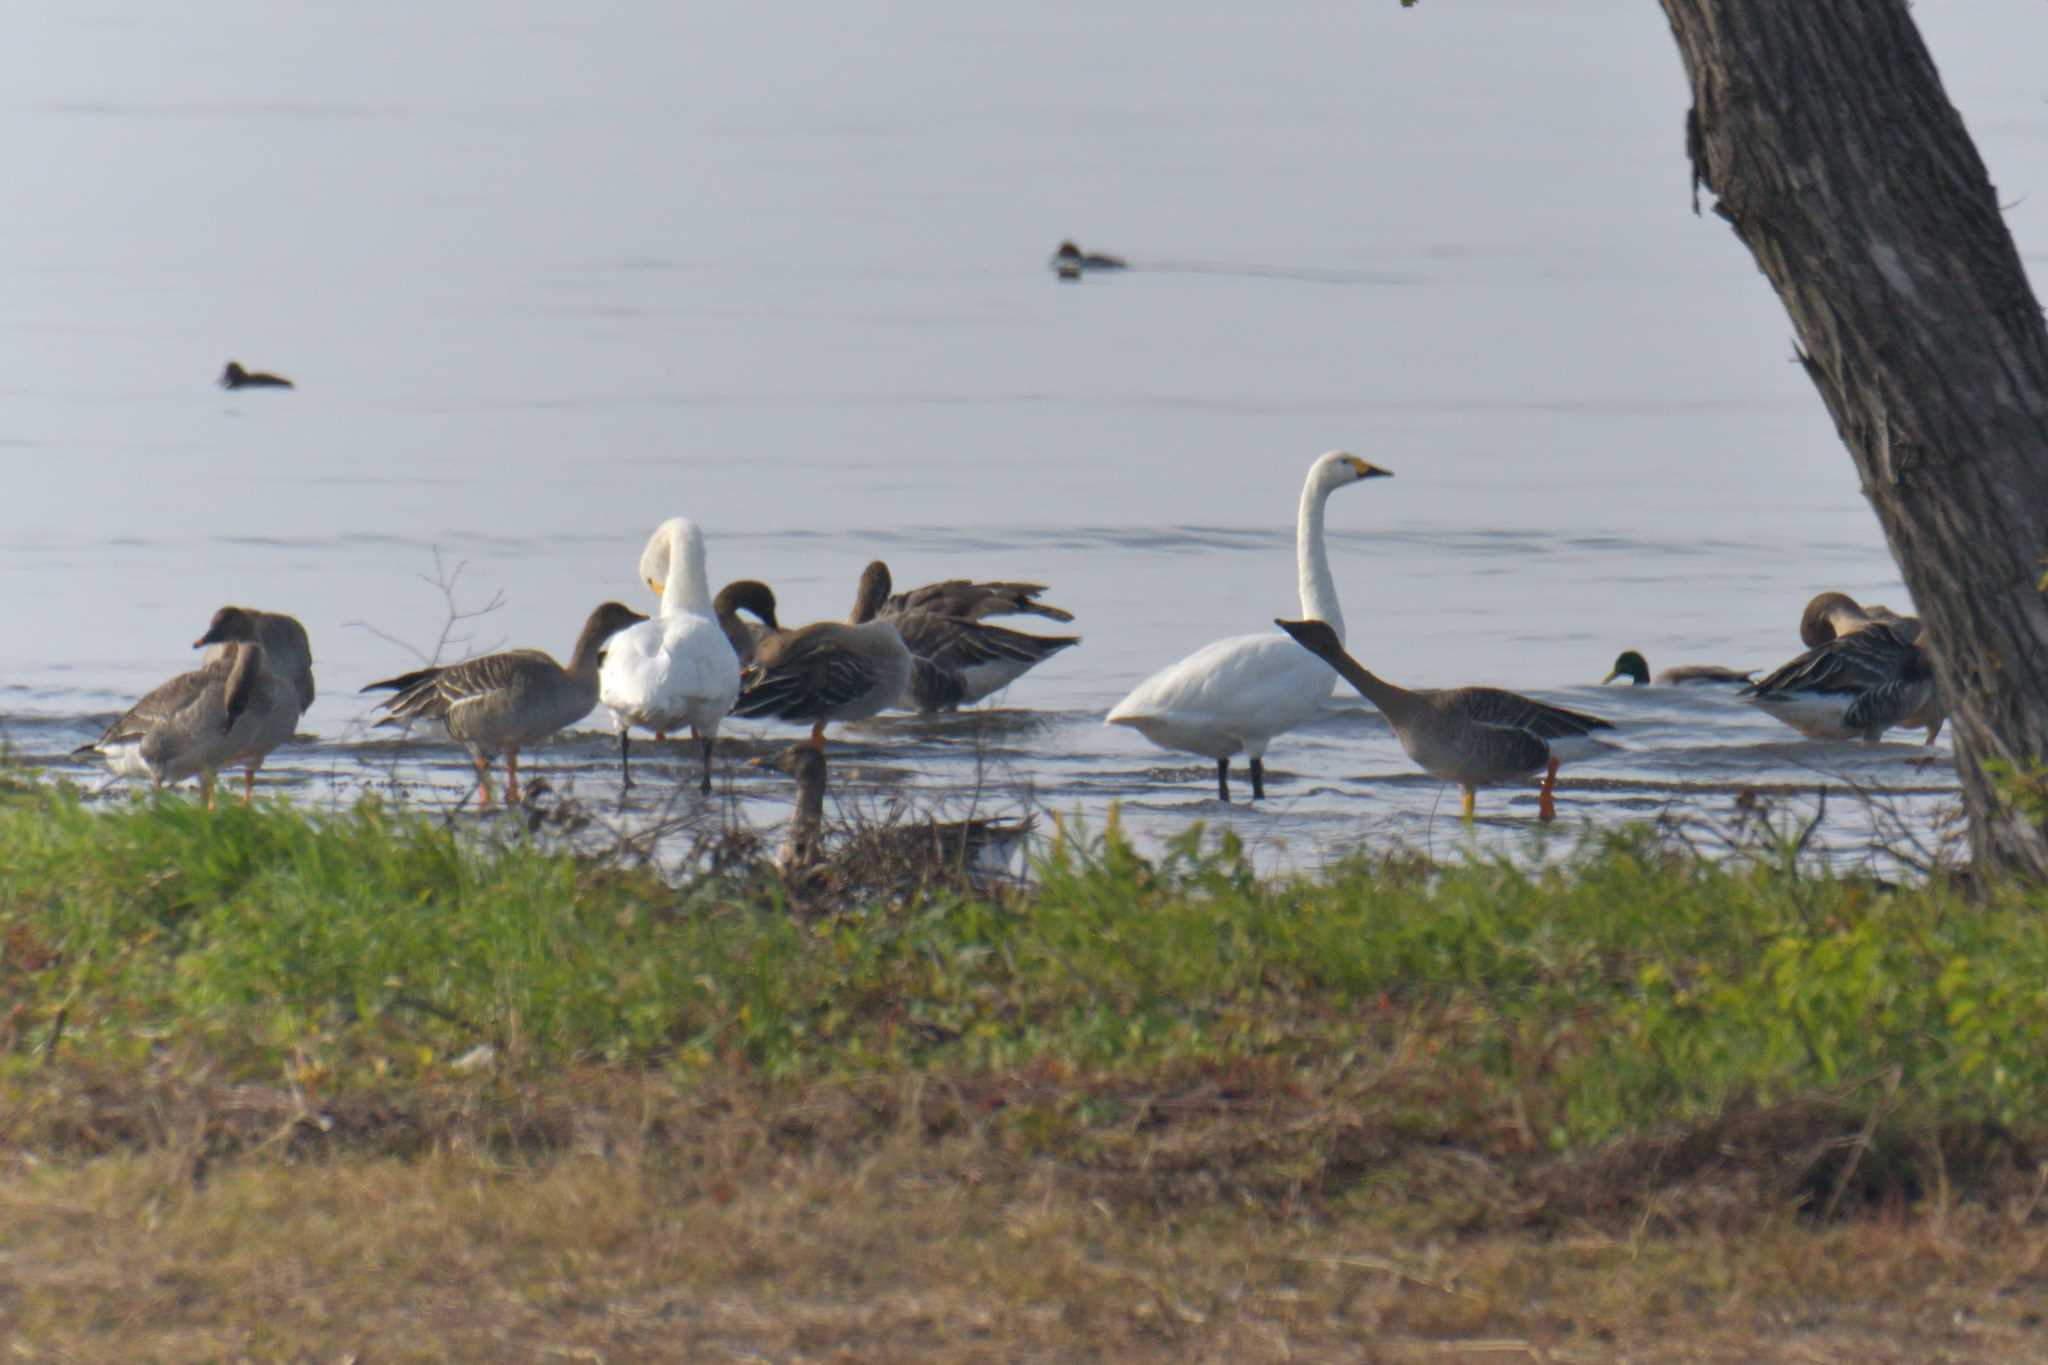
column 231, row 712
column 1854, row 686
column 679, row 669
column 500, row 703
column 831, row 670
column 1473, row 736
column 1629, row 664
column 1238, row 694
column 286, row 650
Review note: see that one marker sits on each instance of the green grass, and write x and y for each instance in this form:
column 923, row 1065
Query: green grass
column 1159, row 1108
column 1625, row 989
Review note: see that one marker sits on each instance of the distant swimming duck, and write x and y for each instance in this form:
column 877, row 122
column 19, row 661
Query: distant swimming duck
column 235, row 377
column 1070, row 258
column 1629, row 664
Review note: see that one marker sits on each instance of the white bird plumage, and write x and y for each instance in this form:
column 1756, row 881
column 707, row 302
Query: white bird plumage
column 677, row 670
column 1237, row 695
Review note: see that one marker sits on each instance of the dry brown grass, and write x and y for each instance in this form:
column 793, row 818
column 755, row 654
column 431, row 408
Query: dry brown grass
column 618, row 1217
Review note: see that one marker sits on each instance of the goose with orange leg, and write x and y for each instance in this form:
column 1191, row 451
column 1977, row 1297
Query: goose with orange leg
column 500, row 703
column 1473, row 736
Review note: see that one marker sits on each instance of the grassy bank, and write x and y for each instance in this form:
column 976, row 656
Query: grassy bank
column 359, row 1083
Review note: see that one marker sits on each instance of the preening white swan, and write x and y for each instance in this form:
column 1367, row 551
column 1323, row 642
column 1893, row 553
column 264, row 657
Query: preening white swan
column 678, row 669
column 1238, row 694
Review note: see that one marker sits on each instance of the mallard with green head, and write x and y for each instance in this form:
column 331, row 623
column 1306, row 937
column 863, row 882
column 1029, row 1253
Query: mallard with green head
column 1629, row 664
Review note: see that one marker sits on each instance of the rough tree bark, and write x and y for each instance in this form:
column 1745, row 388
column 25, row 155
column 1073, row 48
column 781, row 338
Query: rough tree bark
column 1823, row 131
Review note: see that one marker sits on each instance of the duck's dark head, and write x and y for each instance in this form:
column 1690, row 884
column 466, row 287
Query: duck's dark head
column 233, row 375
column 1628, row 664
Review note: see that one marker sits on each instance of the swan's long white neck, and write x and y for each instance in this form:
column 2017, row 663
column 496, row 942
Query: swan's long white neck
column 686, row 589
column 1312, row 561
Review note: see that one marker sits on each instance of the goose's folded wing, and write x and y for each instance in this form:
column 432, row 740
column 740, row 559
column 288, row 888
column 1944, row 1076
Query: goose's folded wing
column 1511, row 710
column 1850, row 663
column 953, row 643
column 155, row 707
column 1879, row 708
column 815, row 678
column 1502, row 748
column 429, row 693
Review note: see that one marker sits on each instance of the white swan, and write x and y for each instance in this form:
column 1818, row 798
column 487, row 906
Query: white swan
column 1238, row 694
column 678, row 669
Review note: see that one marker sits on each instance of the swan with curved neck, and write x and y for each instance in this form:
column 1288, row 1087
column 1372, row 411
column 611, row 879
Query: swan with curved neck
column 677, row 670
column 1238, row 695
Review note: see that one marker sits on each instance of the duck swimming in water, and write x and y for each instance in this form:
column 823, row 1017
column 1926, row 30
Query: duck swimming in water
column 1070, row 258
column 1629, row 664
column 235, row 377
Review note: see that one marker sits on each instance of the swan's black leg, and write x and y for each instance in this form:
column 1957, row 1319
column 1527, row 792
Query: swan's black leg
column 1223, row 780
column 625, row 767
column 1258, row 779
column 706, row 785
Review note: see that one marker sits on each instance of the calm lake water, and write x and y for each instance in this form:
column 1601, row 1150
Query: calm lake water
column 547, row 275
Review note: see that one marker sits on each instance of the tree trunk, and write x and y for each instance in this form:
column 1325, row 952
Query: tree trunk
column 1823, row 131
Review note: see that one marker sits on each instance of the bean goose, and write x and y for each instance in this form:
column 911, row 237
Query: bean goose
column 751, row 596
column 229, row 713
column 1473, row 736
column 286, row 650
column 1239, row 694
column 831, row 670
column 975, row 601
column 956, row 662
column 1833, row 614
column 500, row 703
column 1854, row 686
column 677, row 670
column 1629, row 664
column 920, row 846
